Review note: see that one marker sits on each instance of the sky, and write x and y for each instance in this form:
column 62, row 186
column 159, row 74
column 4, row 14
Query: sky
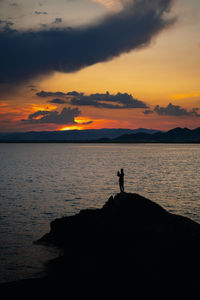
column 90, row 64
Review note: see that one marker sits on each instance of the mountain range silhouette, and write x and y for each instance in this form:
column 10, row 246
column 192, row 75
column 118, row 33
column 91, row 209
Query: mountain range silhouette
column 175, row 135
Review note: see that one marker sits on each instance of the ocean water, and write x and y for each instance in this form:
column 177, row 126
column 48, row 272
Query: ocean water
column 41, row 182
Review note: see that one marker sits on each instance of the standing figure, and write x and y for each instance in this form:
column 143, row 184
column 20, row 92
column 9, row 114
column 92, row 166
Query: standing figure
column 121, row 180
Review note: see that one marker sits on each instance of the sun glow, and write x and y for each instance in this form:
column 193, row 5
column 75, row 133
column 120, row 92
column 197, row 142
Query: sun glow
column 73, row 127
column 82, row 120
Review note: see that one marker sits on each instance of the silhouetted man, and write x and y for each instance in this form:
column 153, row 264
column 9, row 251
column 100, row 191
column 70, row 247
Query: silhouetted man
column 121, row 180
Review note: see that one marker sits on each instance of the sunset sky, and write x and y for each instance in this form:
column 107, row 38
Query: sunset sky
column 82, row 64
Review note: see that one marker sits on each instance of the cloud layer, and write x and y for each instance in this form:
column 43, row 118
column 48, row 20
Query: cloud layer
column 99, row 100
column 24, row 55
column 118, row 101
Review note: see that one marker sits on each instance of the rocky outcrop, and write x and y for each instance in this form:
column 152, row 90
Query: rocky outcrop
column 131, row 246
column 124, row 214
column 128, row 235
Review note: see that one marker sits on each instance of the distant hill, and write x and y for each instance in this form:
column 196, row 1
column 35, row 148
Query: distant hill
column 70, row 135
column 174, row 135
column 140, row 135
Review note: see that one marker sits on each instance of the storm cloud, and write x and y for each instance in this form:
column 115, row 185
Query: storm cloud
column 24, row 55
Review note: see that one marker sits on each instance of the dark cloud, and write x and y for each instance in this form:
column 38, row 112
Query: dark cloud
column 57, row 21
column 14, row 4
column 86, row 123
column 173, row 110
column 74, row 93
column 57, row 101
column 66, row 116
column 44, row 94
column 41, row 13
column 118, row 101
column 38, row 113
column 24, row 55
column 5, row 26
column 107, row 100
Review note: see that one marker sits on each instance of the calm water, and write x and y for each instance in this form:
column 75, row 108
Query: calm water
column 41, row 182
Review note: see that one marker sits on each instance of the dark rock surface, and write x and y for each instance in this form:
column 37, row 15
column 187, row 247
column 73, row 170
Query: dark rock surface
column 129, row 234
column 125, row 214
column 131, row 240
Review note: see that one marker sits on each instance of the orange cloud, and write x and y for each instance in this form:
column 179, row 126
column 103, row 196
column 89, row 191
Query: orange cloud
column 81, row 120
column 11, row 115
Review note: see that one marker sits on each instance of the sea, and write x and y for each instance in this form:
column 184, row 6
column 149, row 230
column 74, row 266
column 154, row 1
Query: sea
column 42, row 182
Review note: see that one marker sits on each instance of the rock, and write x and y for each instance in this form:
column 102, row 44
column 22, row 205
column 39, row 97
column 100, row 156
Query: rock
column 130, row 245
column 125, row 213
column 128, row 235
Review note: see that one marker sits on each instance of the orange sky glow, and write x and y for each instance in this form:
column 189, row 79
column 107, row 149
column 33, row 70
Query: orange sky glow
column 166, row 71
